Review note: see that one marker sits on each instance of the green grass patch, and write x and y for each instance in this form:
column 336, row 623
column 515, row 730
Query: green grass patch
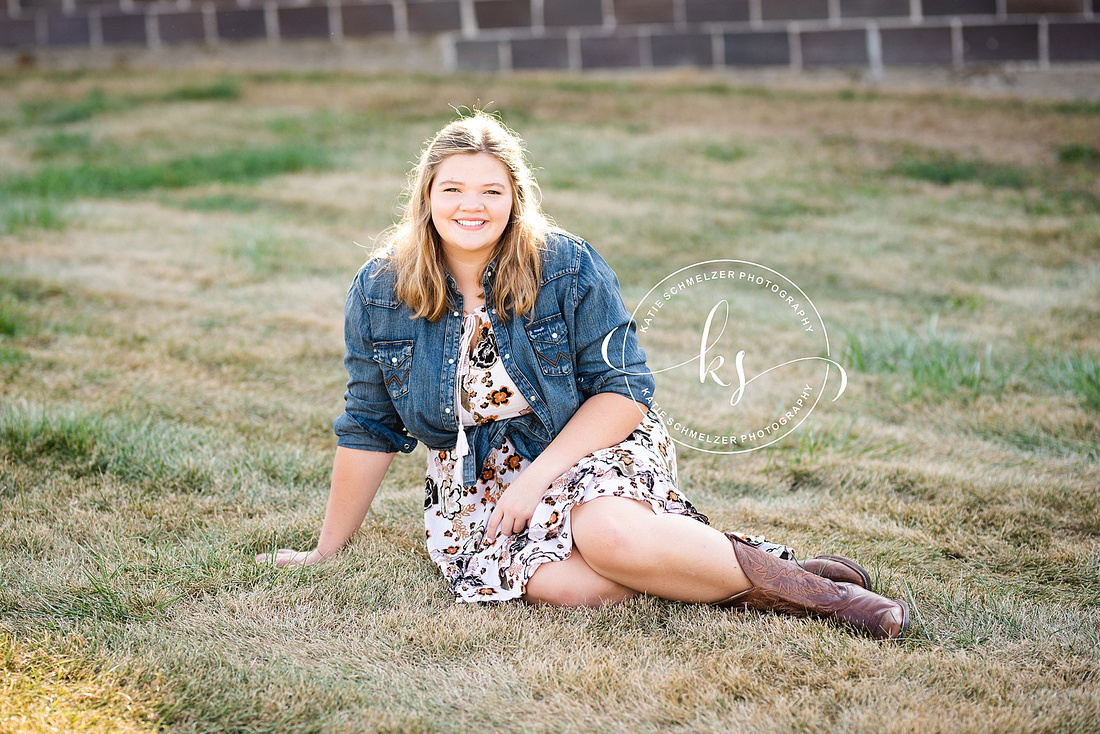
column 724, row 152
column 227, row 89
column 266, row 252
column 928, row 365
column 1079, row 153
column 234, row 166
column 13, row 317
column 103, row 595
column 1077, row 107
column 57, row 144
column 13, row 357
column 64, row 111
column 946, row 169
column 1044, row 190
column 55, row 111
column 220, row 202
column 86, row 445
column 932, row 365
column 1036, row 440
column 783, row 208
column 1078, row 374
column 29, row 213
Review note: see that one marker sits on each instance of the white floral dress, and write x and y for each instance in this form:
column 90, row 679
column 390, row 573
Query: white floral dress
column 642, row 467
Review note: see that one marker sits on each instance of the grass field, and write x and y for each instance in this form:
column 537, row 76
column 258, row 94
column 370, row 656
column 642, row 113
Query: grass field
column 174, row 253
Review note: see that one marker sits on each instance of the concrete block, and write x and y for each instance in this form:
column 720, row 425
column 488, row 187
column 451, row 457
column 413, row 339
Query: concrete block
column 503, row 13
column 433, row 16
column 757, row 49
column 904, row 46
column 557, row 13
column 834, row 48
column 632, row 12
column 366, row 20
column 604, row 52
column 682, row 49
column 990, row 43
column 1074, row 41
column 306, row 21
column 540, row 53
column 128, row 28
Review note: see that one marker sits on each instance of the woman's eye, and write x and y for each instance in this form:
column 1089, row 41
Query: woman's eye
column 493, row 191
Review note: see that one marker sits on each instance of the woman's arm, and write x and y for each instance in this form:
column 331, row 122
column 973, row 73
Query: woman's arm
column 356, row 476
column 603, row 420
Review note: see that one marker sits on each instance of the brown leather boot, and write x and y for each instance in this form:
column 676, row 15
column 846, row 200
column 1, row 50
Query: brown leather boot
column 781, row 586
column 839, row 569
column 834, row 568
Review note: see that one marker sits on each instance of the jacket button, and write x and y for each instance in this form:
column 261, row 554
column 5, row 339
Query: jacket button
column 450, row 361
column 393, row 359
column 446, row 410
column 456, row 313
column 554, row 335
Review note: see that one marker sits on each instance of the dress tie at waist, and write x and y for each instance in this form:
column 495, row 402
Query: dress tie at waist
column 462, row 448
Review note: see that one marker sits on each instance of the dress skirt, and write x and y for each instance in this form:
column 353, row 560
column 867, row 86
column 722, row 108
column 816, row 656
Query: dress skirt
column 642, row 467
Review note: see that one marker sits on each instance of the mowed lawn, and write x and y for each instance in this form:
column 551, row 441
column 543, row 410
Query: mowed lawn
column 174, row 253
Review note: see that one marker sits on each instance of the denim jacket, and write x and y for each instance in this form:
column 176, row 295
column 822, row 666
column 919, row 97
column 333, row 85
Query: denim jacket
column 402, row 371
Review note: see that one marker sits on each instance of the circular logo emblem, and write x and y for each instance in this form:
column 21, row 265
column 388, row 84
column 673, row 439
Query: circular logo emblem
column 738, row 351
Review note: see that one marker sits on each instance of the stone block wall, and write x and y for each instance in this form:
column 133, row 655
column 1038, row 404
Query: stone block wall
column 504, row 35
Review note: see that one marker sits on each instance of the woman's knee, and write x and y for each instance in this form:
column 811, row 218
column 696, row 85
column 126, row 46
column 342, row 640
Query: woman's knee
column 572, row 583
column 612, row 533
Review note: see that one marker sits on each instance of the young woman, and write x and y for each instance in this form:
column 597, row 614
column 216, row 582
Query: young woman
column 479, row 329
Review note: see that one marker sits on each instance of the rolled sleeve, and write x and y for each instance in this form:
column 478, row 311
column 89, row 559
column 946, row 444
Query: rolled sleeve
column 370, row 421
column 600, row 311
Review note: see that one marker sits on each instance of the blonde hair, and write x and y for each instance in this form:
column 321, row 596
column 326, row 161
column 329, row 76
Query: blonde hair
column 413, row 245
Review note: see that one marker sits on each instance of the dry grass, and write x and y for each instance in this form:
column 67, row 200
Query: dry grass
column 170, row 366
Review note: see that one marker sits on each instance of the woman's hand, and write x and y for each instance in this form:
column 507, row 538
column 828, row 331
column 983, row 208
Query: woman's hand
column 289, row 557
column 516, row 506
column 356, row 476
column 603, row 420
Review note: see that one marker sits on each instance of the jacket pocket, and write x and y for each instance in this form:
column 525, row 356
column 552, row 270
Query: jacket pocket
column 551, row 345
column 395, row 360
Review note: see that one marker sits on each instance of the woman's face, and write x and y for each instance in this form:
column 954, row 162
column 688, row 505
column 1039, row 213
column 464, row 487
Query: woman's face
column 471, row 202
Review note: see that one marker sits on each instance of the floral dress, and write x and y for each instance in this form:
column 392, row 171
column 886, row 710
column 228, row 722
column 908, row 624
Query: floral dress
column 642, row 467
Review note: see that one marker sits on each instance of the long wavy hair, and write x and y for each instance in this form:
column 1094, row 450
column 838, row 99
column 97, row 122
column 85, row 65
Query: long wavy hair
column 415, row 250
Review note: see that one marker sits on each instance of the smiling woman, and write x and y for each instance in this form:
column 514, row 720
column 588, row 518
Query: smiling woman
column 478, row 329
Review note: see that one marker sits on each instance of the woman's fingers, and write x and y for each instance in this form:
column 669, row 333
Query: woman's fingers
column 501, row 522
column 491, row 526
column 284, row 557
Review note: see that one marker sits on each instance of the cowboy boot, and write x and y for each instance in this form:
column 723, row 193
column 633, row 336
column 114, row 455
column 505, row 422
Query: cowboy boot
column 780, row 586
column 835, row 568
column 839, row 569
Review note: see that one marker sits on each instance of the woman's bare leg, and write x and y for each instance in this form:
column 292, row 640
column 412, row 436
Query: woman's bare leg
column 666, row 555
column 573, row 583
